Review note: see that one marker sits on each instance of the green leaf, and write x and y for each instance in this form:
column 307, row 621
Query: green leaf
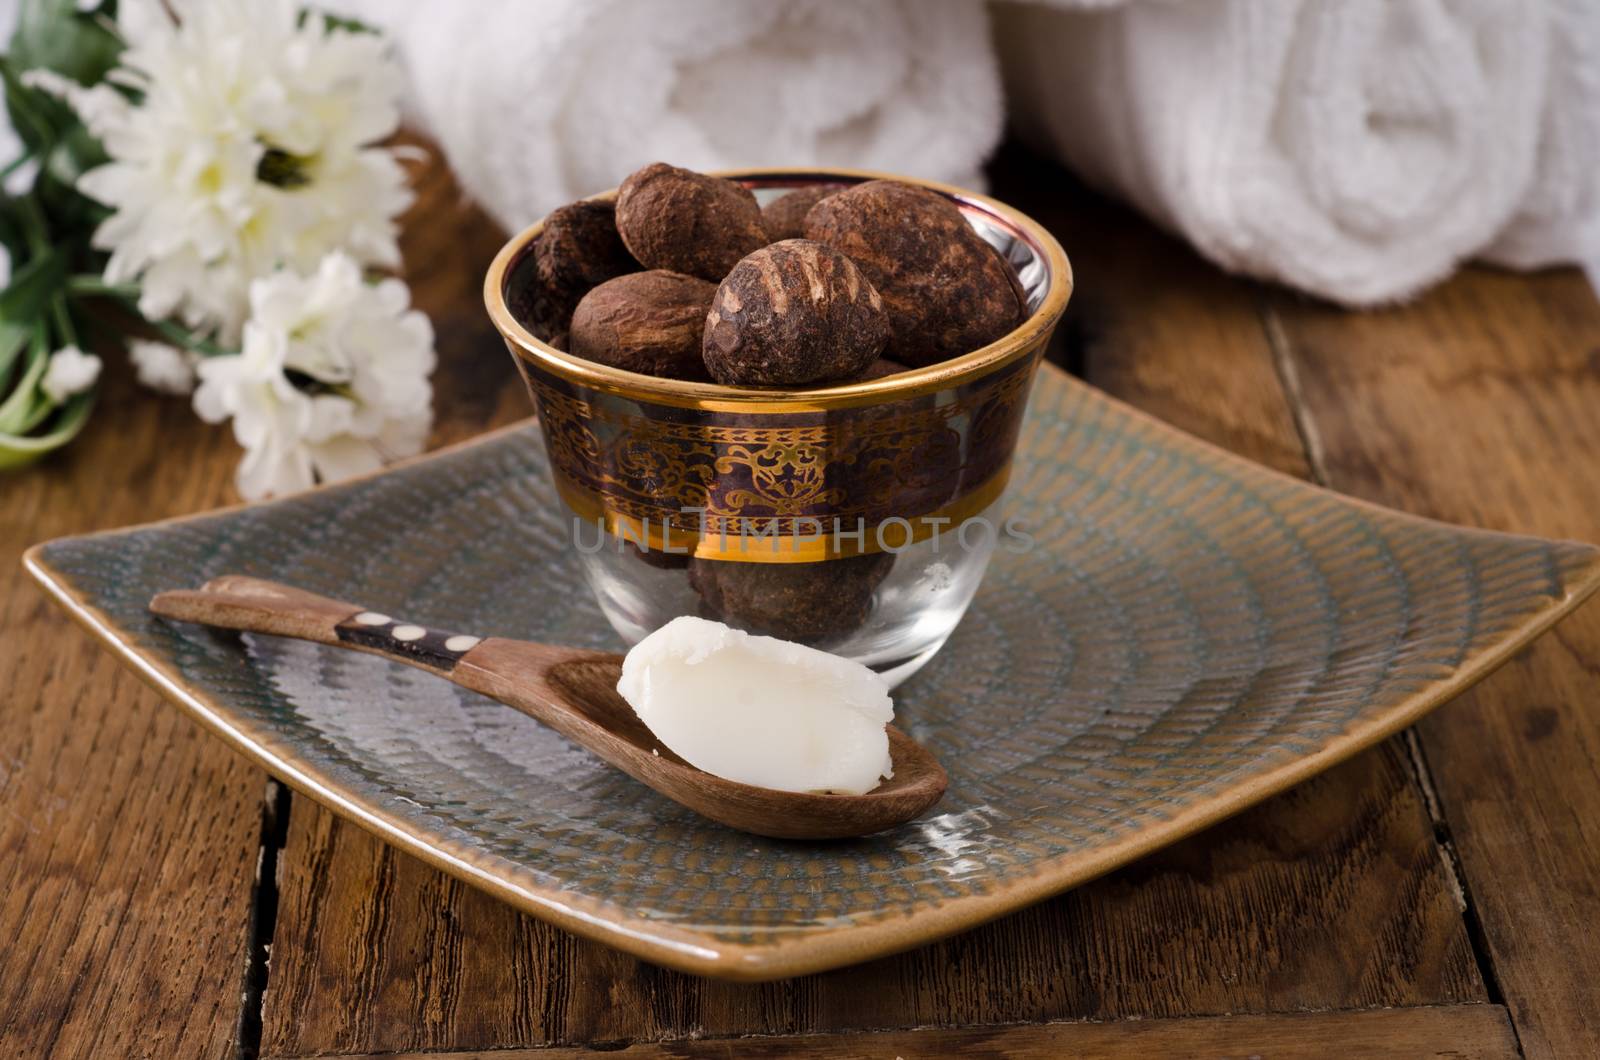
column 18, row 451
column 74, row 153
column 335, row 23
column 55, row 35
column 38, row 118
column 35, row 225
column 31, row 417
column 23, row 302
column 12, row 236
column 16, row 413
column 70, row 211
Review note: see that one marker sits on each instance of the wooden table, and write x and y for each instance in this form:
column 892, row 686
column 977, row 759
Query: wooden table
column 1434, row 896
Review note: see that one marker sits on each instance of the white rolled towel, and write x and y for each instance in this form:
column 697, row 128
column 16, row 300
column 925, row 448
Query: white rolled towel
column 538, row 103
column 1357, row 149
column 1558, row 220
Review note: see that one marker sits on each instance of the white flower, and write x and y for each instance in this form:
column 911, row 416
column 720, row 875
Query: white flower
column 70, row 371
column 332, row 379
column 162, row 367
column 246, row 145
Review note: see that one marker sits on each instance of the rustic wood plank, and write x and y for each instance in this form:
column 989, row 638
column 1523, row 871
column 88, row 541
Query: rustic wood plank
column 1481, row 404
column 1460, row 1032
column 1333, row 895
column 1327, row 897
column 128, row 838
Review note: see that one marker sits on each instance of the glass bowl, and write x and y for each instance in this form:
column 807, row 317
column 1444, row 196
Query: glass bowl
column 857, row 517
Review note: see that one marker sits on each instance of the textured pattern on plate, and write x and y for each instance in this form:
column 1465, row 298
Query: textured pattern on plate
column 1190, row 633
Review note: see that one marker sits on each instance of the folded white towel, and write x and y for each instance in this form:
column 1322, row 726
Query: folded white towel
column 1358, row 150
column 536, row 104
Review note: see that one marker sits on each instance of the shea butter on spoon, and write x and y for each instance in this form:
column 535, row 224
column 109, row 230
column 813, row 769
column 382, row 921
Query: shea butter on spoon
column 759, row 710
column 813, row 721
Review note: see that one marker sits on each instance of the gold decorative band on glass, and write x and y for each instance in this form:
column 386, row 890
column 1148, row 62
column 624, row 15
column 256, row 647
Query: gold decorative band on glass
column 786, row 488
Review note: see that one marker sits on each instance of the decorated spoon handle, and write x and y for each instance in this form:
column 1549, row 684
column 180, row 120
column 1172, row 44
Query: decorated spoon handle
column 234, row 601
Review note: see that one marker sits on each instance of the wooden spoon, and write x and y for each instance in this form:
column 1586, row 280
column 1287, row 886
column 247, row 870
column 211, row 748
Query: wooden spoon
column 574, row 691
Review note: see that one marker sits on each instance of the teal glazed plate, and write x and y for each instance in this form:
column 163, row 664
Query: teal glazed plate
column 1190, row 634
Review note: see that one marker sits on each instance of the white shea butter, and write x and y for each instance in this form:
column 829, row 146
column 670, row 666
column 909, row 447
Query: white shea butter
column 760, row 710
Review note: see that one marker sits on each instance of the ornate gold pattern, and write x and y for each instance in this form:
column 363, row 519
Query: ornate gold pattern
column 788, row 477
column 657, row 473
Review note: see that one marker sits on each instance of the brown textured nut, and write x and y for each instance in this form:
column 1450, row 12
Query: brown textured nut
column 677, row 219
column 880, row 368
column 647, row 322
column 578, row 249
column 946, row 290
column 536, row 310
column 1017, row 289
column 785, row 216
column 793, row 313
column 796, row 601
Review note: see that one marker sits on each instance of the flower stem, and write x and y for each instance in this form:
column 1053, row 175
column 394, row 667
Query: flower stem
column 63, row 320
column 88, row 285
column 16, row 164
column 128, row 295
column 188, row 339
column 34, row 228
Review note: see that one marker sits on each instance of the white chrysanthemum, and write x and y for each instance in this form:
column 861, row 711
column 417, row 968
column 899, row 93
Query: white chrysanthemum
column 332, row 379
column 70, row 371
column 247, row 146
column 162, row 367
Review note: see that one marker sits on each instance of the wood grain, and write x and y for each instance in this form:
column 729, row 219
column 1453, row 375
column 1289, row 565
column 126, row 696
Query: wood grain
column 234, row 601
column 1331, row 896
column 128, row 838
column 1327, row 897
column 1459, row 1032
column 1481, row 404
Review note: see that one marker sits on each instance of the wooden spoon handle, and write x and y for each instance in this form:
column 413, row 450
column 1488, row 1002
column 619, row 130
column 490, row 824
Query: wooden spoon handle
column 254, row 605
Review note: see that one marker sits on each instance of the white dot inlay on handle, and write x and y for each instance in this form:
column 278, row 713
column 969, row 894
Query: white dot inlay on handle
column 409, row 633
column 462, row 642
column 373, row 618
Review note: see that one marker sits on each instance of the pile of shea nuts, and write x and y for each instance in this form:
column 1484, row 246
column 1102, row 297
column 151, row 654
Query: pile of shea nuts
column 687, row 277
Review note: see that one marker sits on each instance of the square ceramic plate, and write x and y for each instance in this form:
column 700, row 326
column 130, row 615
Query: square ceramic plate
column 1191, row 634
